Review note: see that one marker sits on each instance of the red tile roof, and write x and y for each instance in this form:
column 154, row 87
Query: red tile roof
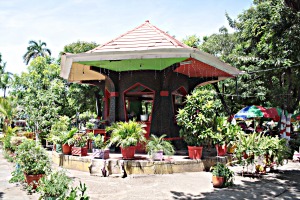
column 143, row 37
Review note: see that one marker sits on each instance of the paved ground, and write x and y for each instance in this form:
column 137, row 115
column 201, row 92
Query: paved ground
column 285, row 184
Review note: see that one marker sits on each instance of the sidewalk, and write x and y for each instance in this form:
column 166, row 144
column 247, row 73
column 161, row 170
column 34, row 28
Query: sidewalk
column 195, row 185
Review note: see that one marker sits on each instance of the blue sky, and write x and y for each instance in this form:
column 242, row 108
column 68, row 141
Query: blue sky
column 59, row 23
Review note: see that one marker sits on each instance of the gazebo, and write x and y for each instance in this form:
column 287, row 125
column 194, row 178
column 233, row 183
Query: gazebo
column 145, row 74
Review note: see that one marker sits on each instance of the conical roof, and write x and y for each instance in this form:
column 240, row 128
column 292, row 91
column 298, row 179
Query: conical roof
column 144, row 37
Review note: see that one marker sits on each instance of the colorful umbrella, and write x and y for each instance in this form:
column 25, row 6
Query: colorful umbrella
column 251, row 112
column 274, row 113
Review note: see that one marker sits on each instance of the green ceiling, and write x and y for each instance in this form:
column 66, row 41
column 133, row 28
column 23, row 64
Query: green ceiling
column 134, row 64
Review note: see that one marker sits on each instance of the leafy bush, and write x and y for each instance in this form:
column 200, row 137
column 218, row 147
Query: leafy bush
column 32, row 158
column 55, row 184
column 74, row 193
column 197, row 116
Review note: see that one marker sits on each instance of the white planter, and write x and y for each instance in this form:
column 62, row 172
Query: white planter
column 144, row 118
column 158, row 155
column 101, row 153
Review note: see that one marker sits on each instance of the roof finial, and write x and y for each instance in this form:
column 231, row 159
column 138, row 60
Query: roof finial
column 147, row 21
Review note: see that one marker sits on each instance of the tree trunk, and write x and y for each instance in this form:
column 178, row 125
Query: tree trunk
column 221, row 98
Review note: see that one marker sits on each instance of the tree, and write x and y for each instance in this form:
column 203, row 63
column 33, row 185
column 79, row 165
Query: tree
column 266, row 46
column 192, row 41
column 38, row 93
column 82, row 96
column 268, row 42
column 5, row 77
column 36, row 49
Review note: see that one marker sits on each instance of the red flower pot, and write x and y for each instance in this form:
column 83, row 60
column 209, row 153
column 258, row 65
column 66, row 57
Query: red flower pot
column 79, row 151
column 221, row 149
column 66, row 149
column 33, row 179
column 128, row 152
column 217, row 181
column 195, row 152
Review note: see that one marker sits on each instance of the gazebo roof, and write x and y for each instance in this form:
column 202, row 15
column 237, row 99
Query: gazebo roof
column 144, row 37
column 146, row 47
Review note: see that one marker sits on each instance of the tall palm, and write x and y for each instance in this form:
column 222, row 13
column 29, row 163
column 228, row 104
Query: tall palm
column 5, row 77
column 5, row 81
column 36, row 49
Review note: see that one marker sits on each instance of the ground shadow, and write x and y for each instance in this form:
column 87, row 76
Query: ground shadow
column 280, row 185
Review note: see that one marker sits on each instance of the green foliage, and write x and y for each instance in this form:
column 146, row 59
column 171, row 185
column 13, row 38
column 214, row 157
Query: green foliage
column 10, row 132
column 266, row 37
column 36, row 49
column 90, row 125
column 15, row 141
column 74, row 193
column 99, row 141
column 249, row 147
column 79, row 47
column 159, row 144
column 197, row 116
column 59, row 133
column 222, row 170
column 32, row 158
column 78, row 140
column 125, row 134
column 17, row 176
column 5, row 77
column 192, row 41
column 55, row 184
column 7, row 111
column 39, row 93
column 225, row 132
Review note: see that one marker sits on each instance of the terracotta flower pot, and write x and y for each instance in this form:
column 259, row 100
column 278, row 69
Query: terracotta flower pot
column 217, row 181
column 195, row 152
column 128, row 152
column 221, row 149
column 33, row 179
column 79, row 151
column 66, row 149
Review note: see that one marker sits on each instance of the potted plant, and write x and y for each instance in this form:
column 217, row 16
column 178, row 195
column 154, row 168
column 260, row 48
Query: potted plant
column 58, row 127
column 53, row 186
column 127, row 135
column 90, row 125
column 33, row 160
column 196, row 120
column 65, row 136
column 79, row 142
column 224, row 135
column 101, row 150
column 157, row 146
column 222, row 176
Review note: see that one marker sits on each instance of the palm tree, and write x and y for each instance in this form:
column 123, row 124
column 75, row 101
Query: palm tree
column 36, row 49
column 5, row 77
column 5, row 81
